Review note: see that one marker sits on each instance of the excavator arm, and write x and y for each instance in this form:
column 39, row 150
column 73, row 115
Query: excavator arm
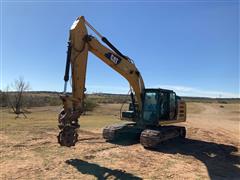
column 80, row 43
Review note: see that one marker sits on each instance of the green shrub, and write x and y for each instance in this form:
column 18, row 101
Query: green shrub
column 90, row 104
column 222, row 102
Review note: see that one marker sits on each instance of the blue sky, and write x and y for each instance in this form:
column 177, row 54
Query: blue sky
column 191, row 47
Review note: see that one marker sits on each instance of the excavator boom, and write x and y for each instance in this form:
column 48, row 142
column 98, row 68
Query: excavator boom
column 80, row 43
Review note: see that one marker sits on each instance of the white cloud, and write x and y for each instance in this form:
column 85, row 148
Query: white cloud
column 107, row 89
column 180, row 90
column 190, row 91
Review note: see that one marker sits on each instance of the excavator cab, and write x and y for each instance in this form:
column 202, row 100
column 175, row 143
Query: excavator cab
column 159, row 105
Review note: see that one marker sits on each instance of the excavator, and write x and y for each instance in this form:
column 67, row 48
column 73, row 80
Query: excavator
column 152, row 111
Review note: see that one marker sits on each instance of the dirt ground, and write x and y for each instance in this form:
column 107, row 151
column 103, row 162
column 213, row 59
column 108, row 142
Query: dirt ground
column 29, row 148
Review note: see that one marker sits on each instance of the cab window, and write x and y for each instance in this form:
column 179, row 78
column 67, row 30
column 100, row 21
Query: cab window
column 150, row 106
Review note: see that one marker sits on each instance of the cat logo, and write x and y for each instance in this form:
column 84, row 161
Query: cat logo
column 115, row 59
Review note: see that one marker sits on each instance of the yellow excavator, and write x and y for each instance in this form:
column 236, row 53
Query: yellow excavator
column 151, row 110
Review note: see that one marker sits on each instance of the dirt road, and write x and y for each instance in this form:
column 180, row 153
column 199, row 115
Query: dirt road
column 29, row 148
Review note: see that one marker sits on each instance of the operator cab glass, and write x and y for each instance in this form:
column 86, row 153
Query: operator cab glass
column 159, row 105
column 151, row 106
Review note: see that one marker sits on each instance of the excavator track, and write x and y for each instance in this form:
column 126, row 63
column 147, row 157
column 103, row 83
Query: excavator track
column 151, row 138
column 121, row 132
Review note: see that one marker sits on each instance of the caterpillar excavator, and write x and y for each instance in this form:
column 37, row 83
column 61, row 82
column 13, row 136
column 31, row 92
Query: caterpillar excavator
column 151, row 111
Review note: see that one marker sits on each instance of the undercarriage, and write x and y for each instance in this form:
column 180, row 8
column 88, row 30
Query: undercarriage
column 149, row 138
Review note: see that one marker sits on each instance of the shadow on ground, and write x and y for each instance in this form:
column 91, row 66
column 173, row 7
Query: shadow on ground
column 125, row 142
column 98, row 171
column 221, row 160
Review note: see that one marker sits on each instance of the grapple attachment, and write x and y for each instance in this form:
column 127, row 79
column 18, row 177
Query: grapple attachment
column 68, row 125
column 67, row 136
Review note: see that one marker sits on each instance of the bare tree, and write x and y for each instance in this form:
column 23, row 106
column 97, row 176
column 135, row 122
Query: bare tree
column 16, row 101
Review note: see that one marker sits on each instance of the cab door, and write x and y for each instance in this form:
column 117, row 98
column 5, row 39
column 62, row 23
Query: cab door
column 151, row 108
column 163, row 105
column 172, row 106
column 168, row 105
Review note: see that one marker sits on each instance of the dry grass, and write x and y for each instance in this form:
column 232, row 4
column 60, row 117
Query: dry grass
column 29, row 148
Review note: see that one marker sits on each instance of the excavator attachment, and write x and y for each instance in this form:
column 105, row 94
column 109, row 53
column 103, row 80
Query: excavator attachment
column 73, row 104
column 68, row 124
column 68, row 136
